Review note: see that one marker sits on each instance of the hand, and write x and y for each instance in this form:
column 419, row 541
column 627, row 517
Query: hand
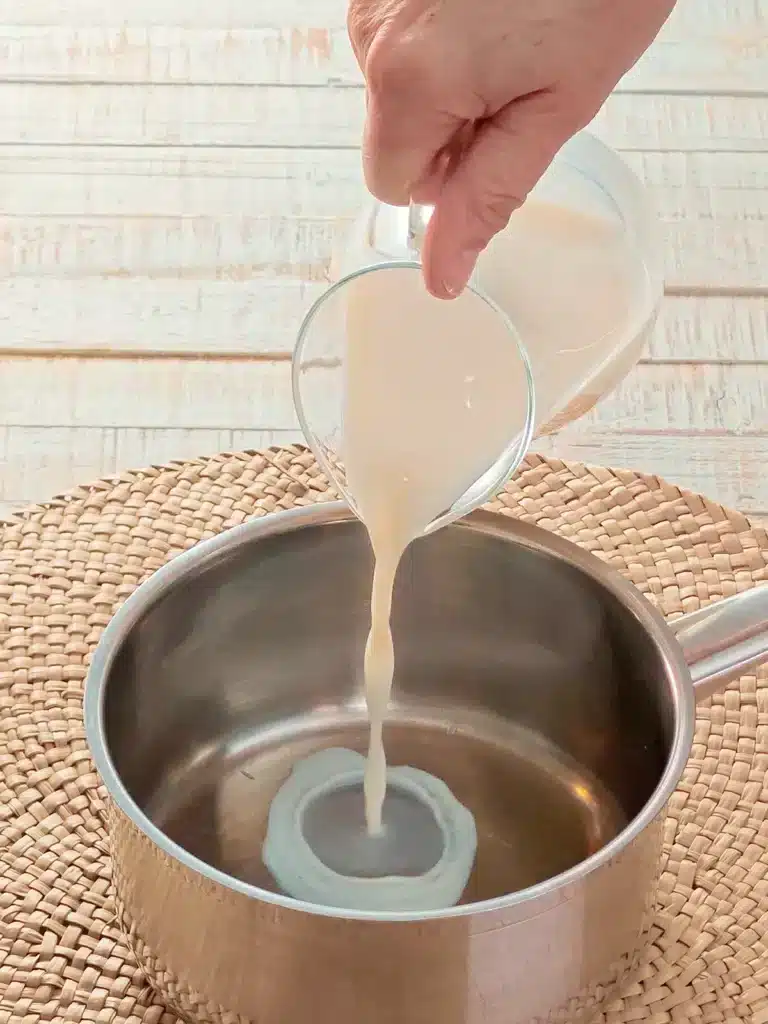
column 470, row 100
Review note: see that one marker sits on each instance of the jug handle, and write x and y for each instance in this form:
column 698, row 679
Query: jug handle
column 418, row 218
column 724, row 640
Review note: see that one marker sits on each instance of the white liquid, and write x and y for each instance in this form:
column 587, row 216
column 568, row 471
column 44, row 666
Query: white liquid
column 435, row 391
column 577, row 296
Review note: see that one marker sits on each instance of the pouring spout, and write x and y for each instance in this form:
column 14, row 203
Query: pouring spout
column 724, row 640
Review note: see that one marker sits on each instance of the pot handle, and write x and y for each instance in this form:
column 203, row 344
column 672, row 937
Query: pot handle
column 725, row 639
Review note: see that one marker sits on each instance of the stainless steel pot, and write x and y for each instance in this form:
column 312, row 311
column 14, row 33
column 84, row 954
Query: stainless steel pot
column 544, row 689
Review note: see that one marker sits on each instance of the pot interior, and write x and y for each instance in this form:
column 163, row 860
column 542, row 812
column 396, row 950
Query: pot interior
column 521, row 682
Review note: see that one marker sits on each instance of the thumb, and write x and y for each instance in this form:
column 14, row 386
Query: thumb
column 509, row 154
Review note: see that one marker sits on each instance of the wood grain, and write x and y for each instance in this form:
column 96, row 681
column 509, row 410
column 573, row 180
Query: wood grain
column 140, row 315
column 699, row 252
column 173, row 174
column 705, row 57
column 191, row 13
column 727, row 469
column 209, row 181
column 231, row 319
column 42, row 462
column 737, row 19
column 222, row 250
column 239, row 394
column 711, row 330
column 197, row 115
column 701, row 398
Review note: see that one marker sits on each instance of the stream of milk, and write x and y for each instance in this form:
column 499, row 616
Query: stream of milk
column 435, row 390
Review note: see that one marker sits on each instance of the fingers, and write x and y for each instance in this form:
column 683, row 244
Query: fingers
column 406, row 131
column 431, row 185
column 507, row 157
column 403, row 144
column 409, row 121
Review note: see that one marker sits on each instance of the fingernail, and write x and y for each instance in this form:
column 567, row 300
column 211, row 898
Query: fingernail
column 461, row 271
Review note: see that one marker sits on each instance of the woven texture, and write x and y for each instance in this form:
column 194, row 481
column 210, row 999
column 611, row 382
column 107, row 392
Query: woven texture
column 65, row 568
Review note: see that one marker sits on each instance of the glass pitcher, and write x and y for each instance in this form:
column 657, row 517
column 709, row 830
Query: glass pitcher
column 577, row 352
column 323, row 360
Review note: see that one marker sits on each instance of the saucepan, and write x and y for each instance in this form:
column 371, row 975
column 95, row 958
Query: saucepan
column 544, row 689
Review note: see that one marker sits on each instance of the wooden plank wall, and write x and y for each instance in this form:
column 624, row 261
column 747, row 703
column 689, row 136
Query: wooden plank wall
column 172, row 177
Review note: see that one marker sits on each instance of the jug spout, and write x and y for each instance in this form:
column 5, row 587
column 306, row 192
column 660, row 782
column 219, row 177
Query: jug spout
column 724, row 640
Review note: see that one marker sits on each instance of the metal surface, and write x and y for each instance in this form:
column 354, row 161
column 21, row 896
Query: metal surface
column 543, row 689
column 725, row 639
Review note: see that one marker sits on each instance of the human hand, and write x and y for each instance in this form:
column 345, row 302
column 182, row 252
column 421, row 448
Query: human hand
column 470, row 100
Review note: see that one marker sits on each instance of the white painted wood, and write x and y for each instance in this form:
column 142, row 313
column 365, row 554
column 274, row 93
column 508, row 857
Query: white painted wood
column 142, row 316
column 143, row 182
column 731, row 19
column 729, row 469
column 235, row 394
column 159, row 218
column 182, row 13
column 711, row 330
column 197, row 115
column 187, row 248
column 699, row 252
column 150, row 447
column 42, row 462
column 223, row 250
column 241, row 394
column 703, row 398
column 299, row 54
column 192, row 248
column 694, row 175
column 10, row 508
column 133, row 211
column 316, row 51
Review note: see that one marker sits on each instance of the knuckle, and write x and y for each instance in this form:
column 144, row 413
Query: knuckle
column 394, row 69
column 361, row 27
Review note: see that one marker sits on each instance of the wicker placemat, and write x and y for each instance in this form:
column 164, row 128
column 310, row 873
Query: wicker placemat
column 66, row 566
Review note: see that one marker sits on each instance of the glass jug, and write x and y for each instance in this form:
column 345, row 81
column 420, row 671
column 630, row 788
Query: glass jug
column 323, row 360
column 572, row 368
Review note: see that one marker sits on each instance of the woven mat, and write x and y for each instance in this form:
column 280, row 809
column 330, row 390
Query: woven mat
column 66, row 566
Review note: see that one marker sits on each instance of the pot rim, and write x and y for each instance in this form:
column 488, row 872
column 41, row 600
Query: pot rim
column 328, row 513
